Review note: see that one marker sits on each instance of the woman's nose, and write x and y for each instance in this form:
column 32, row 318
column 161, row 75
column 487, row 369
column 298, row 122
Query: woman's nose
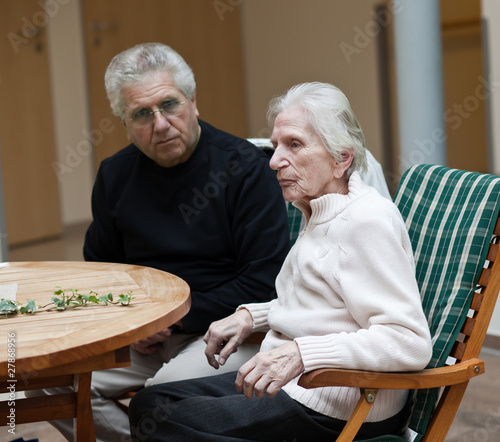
column 277, row 160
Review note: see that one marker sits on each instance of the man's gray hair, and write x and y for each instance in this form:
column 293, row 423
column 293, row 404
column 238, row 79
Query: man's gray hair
column 132, row 65
column 331, row 117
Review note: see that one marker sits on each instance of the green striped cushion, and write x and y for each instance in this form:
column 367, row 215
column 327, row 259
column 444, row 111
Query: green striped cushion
column 450, row 215
column 294, row 222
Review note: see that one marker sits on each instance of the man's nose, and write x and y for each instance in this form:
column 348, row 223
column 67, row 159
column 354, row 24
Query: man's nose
column 160, row 121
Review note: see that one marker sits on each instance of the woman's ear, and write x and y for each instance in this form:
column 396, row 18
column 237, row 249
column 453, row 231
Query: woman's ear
column 345, row 162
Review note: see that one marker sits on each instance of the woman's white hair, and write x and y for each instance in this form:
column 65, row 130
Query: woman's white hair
column 132, row 65
column 330, row 116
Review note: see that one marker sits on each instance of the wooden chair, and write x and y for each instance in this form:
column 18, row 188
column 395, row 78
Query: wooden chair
column 452, row 218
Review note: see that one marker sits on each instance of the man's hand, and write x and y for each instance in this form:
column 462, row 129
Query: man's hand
column 268, row 371
column 148, row 346
column 223, row 337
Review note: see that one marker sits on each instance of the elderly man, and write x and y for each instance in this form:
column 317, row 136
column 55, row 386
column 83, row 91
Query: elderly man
column 347, row 298
column 186, row 198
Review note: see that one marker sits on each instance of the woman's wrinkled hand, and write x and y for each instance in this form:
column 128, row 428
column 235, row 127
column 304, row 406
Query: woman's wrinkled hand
column 268, row 371
column 225, row 336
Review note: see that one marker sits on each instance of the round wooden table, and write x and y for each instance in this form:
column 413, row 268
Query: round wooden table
column 55, row 348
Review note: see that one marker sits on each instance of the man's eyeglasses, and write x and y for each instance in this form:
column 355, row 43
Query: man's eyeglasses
column 170, row 108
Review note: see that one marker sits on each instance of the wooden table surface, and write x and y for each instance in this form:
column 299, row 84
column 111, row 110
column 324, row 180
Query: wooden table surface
column 47, row 340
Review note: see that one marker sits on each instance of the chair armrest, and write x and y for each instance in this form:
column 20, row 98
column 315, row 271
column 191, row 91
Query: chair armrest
column 415, row 380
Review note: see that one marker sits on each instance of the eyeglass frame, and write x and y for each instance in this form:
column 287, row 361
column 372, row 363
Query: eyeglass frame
column 160, row 109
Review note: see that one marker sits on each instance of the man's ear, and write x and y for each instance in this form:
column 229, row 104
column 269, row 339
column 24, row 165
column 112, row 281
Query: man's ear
column 126, row 129
column 193, row 100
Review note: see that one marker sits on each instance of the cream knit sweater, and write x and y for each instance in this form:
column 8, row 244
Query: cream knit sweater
column 347, row 295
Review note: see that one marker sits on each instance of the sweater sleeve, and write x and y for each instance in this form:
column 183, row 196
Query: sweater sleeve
column 372, row 270
column 261, row 241
column 259, row 312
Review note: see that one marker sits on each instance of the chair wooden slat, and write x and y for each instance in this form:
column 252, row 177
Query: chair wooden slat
column 468, row 326
column 477, row 300
column 492, row 252
column 485, row 277
column 458, row 350
column 496, row 231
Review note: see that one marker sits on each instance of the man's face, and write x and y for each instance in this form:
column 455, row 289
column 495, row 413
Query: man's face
column 167, row 141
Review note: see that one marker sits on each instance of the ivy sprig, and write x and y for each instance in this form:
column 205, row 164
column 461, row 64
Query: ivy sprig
column 62, row 300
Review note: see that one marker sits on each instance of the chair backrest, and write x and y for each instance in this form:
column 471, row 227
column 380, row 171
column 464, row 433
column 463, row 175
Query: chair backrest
column 295, row 222
column 451, row 216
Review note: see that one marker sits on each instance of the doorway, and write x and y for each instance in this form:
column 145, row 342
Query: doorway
column 209, row 44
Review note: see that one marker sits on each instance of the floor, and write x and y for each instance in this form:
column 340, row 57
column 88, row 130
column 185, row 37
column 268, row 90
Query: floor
column 478, row 419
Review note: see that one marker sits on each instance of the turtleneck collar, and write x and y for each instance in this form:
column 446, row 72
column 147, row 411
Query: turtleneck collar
column 326, row 207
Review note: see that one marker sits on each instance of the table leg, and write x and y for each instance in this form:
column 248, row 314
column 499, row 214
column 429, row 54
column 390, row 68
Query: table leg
column 83, row 423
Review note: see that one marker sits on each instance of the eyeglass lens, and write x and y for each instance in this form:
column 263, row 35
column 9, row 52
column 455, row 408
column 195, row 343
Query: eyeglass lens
column 171, row 108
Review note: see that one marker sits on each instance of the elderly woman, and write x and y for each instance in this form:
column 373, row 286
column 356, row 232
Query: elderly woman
column 347, row 298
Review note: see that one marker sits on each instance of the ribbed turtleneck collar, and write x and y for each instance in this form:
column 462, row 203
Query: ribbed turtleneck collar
column 328, row 206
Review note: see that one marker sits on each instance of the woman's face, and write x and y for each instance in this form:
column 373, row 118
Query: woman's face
column 305, row 169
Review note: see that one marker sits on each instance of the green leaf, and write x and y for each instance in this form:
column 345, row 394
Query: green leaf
column 59, row 303
column 8, row 307
column 62, row 301
column 125, row 299
column 30, row 307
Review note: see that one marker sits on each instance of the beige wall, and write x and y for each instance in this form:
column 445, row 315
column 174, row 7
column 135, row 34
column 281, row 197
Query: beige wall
column 292, row 41
column 71, row 115
column 285, row 42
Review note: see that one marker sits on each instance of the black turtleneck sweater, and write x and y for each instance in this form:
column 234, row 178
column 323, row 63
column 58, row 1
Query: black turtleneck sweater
column 218, row 221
